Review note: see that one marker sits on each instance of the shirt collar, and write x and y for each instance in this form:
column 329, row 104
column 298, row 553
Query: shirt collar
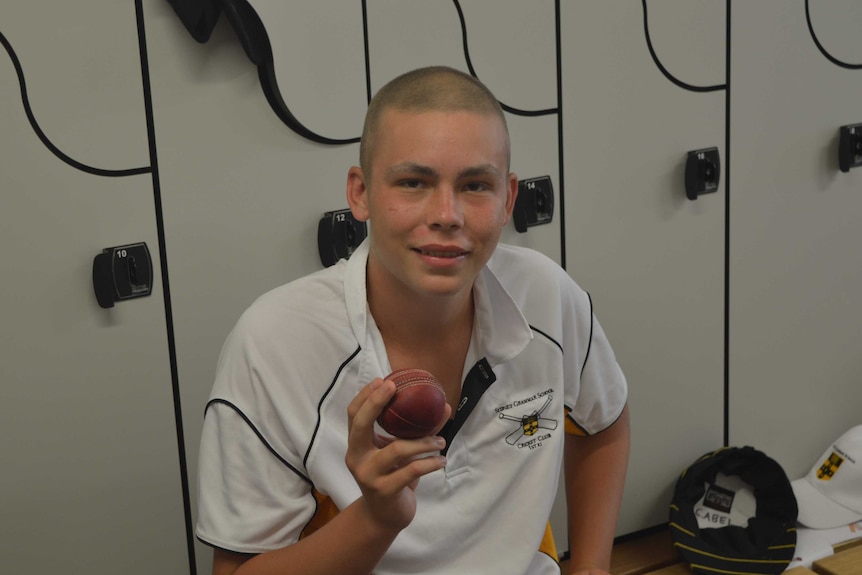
column 503, row 331
column 355, row 295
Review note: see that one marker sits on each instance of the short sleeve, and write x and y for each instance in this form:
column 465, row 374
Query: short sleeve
column 250, row 500
column 601, row 393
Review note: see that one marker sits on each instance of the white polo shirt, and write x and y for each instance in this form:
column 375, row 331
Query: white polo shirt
column 275, row 431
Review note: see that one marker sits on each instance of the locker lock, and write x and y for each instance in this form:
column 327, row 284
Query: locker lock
column 121, row 273
column 338, row 235
column 702, row 169
column 849, row 147
column 534, row 205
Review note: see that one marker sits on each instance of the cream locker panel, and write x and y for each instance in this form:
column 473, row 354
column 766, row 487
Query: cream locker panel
column 243, row 193
column 652, row 259
column 91, row 479
column 319, row 60
column 795, row 263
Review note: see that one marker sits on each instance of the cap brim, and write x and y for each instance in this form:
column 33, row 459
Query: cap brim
column 818, row 511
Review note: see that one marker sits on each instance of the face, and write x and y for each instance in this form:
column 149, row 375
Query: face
column 437, row 198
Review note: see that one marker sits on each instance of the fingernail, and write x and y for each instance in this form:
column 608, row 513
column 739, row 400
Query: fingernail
column 382, row 386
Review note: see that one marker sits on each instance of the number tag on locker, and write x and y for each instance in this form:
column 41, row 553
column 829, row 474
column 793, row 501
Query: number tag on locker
column 121, row 273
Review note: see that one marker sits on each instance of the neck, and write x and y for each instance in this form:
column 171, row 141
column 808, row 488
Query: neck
column 430, row 321
column 430, row 332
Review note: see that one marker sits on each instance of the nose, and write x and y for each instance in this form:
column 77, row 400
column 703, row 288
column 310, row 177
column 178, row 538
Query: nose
column 445, row 210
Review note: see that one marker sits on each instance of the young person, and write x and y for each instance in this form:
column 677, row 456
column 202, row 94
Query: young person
column 294, row 476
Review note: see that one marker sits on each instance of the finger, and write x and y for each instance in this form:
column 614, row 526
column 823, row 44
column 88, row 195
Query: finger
column 378, row 392
column 381, row 441
column 388, row 470
column 364, row 409
column 360, row 398
column 402, row 452
column 370, row 465
column 408, row 474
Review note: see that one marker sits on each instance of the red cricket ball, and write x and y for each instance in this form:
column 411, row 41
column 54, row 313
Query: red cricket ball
column 417, row 406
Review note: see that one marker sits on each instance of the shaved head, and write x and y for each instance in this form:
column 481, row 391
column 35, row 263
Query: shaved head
column 437, row 88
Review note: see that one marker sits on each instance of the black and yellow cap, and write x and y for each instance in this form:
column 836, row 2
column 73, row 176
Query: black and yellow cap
column 733, row 512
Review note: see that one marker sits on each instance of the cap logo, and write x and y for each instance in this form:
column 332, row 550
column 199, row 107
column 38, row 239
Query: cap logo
column 718, row 498
column 829, row 467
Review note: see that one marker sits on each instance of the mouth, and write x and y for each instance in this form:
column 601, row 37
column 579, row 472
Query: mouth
column 441, row 252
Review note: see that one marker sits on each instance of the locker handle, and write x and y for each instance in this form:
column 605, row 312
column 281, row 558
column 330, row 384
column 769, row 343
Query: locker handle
column 702, row 172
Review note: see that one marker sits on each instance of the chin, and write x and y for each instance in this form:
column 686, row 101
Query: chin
column 444, row 287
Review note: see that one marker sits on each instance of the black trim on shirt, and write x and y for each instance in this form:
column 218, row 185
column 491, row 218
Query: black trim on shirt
column 277, row 456
column 214, row 546
column 614, row 421
column 590, row 342
column 552, row 340
column 575, row 423
column 259, row 436
column 587, row 433
column 323, row 398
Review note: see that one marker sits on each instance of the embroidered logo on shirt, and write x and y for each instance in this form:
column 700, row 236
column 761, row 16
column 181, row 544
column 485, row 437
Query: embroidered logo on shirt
column 529, row 424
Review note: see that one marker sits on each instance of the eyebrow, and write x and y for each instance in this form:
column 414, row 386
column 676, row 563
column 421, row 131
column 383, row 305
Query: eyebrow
column 422, row 170
column 410, row 168
column 481, row 170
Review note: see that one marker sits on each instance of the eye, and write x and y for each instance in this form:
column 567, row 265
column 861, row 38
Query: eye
column 411, row 184
column 476, row 186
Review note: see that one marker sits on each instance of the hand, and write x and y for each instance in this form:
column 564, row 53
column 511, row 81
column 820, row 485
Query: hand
column 387, row 471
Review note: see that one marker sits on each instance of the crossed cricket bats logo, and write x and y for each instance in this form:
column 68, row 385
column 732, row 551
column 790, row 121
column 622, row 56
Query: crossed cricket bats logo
column 529, row 424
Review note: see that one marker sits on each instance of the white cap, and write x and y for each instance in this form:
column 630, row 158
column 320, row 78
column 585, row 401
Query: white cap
column 831, row 494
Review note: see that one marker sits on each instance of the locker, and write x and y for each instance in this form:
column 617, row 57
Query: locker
column 653, row 260
column 91, row 480
column 795, row 273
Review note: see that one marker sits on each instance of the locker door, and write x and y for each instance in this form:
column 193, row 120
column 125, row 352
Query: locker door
column 795, row 265
column 652, row 259
column 91, row 477
column 242, row 191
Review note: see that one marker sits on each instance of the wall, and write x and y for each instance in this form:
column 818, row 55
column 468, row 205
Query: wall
column 735, row 316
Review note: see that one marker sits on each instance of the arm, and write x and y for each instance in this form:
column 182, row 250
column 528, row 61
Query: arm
column 361, row 544
column 386, row 474
column 595, row 475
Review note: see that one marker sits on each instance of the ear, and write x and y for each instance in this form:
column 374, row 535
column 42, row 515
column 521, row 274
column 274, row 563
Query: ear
column 511, row 194
column 357, row 194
